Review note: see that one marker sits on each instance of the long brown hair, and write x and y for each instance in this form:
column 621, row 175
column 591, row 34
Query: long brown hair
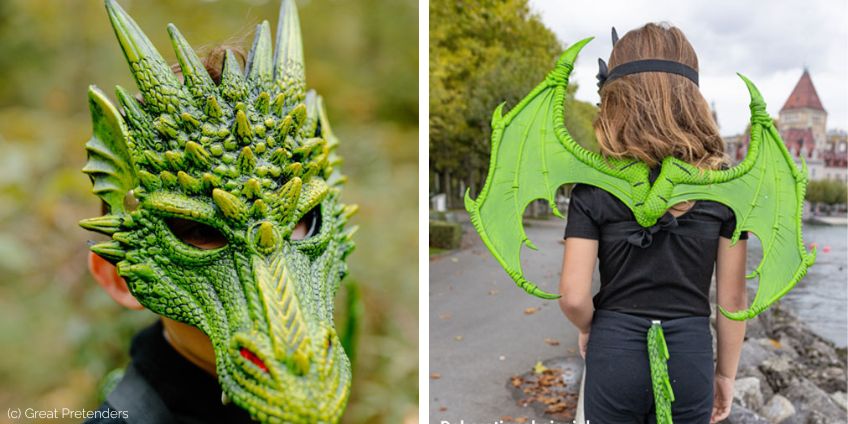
column 651, row 115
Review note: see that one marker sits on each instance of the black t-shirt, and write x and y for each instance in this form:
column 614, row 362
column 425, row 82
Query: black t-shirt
column 189, row 394
column 662, row 272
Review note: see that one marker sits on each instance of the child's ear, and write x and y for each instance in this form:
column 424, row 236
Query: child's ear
column 107, row 276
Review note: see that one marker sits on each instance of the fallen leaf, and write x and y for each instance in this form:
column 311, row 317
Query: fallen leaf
column 552, row 342
column 547, row 390
column 458, row 338
column 506, row 419
column 454, row 260
column 775, row 343
column 435, row 375
column 531, row 310
column 443, row 409
column 521, row 420
column 493, row 292
column 445, row 315
column 539, row 368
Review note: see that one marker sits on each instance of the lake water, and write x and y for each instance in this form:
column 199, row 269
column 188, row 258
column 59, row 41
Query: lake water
column 821, row 298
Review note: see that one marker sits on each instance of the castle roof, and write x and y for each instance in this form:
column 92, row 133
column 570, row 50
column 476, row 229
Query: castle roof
column 803, row 95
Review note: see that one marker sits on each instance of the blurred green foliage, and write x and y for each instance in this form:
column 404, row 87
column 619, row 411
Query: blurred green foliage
column 828, row 192
column 59, row 332
column 482, row 53
column 445, row 235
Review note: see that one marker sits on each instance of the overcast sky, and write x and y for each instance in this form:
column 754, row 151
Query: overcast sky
column 769, row 42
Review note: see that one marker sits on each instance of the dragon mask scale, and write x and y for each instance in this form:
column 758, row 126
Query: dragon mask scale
column 248, row 160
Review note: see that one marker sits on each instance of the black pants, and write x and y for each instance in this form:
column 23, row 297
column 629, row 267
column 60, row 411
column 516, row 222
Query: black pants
column 618, row 375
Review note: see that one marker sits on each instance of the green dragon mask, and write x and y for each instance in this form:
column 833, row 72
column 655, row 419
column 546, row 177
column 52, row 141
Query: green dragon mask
column 533, row 155
column 245, row 160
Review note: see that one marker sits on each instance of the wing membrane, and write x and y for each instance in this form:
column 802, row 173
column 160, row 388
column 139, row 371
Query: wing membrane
column 766, row 193
column 532, row 155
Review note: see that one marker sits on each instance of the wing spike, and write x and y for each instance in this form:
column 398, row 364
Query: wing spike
column 497, row 116
column 158, row 85
column 570, row 55
column 260, row 61
column 757, row 105
column 534, row 290
column 196, row 77
column 288, row 59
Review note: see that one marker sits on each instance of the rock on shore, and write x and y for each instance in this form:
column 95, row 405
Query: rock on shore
column 788, row 375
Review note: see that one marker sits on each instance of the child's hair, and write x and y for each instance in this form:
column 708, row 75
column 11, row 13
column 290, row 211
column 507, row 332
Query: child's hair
column 651, row 115
column 213, row 61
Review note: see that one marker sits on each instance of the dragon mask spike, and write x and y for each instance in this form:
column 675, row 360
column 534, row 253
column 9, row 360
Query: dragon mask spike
column 288, row 58
column 158, row 85
column 194, row 73
column 260, row 60
column 109, row 162
column 233, row 85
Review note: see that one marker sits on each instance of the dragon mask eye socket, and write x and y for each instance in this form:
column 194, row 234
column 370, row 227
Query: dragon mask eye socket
column 196, row 234
column 309, row 225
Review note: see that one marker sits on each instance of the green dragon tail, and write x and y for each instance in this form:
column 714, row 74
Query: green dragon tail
column 658, row 357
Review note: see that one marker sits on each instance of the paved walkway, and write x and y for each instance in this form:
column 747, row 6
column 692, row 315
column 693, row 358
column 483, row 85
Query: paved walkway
column 481, row 332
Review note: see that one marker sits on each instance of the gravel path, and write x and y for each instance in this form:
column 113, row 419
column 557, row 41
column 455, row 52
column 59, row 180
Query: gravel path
column 484, row 329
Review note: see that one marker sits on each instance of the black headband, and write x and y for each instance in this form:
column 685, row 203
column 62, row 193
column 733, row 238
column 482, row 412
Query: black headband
column 649, row 65
column 637, row 66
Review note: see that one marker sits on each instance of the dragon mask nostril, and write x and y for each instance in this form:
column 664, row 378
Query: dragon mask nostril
column 250, row 356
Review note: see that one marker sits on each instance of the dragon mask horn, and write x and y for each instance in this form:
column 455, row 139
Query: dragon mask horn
column 288, row 59
column 196, row 78
column 158, row 85
column 260, row 61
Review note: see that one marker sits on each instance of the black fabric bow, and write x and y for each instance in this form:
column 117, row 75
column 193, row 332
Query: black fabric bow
column 643, row 237
column 603, row 71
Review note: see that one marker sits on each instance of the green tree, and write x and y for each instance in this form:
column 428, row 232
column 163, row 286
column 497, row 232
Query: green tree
column 827, row 192
column 483, row 53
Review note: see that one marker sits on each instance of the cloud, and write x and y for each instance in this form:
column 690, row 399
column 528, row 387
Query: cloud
column 769, row 42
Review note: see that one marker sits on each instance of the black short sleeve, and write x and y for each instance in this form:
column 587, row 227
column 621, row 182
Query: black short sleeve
column 581, row 222
column 728, row 226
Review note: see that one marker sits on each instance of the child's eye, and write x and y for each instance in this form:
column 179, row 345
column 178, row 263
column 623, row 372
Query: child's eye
column 196, row 234
column 309, row 225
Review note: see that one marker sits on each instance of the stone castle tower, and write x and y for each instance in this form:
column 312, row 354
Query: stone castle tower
column 803, row 121
column 802, row 125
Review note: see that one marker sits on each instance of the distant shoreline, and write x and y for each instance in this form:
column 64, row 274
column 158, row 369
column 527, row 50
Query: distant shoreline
column 827, row 220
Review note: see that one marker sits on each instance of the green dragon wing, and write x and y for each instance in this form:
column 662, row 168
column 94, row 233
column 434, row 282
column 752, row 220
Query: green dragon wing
column 766, row 193
column 533, row 154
